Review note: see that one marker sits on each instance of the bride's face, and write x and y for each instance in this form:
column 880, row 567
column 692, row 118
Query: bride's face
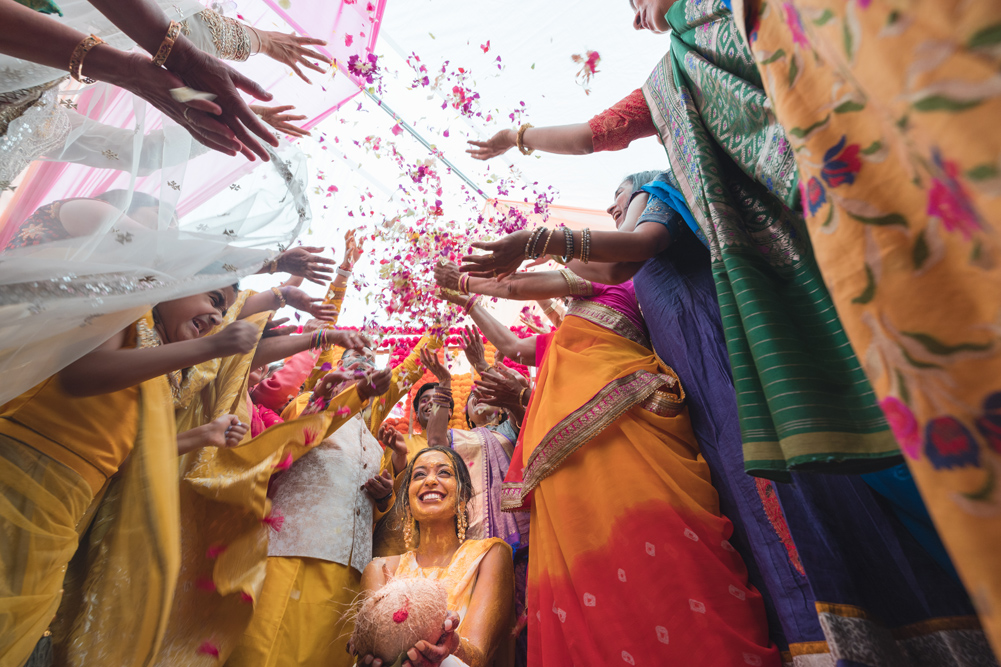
column 433, row 487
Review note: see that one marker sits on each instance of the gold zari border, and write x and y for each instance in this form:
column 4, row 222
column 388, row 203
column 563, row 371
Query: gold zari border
column 609, row 318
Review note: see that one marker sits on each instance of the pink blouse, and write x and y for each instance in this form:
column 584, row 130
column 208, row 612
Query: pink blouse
column 615, row 128
column 621, row 298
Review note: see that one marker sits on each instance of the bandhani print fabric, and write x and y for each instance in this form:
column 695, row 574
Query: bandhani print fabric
column 891, row 111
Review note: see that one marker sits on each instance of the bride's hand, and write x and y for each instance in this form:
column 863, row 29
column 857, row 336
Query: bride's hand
column 426, row 654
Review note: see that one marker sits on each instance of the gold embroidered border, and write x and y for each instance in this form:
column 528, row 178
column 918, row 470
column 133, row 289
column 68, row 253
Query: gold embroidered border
column 610, row 319
column 586, row 422
column 511, row 497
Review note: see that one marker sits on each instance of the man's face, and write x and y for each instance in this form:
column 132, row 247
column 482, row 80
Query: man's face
column 358, row 361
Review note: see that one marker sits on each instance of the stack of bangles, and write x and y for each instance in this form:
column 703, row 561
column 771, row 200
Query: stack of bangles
column 532, row 251
column 470, row 303
column 442, row 396
column 464, row 283
column 317, row 340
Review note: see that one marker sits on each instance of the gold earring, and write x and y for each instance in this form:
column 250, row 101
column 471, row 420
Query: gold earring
column 408, row 531
column 463, row 523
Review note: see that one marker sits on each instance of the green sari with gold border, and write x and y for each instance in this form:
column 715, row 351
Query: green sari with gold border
column 803, row 400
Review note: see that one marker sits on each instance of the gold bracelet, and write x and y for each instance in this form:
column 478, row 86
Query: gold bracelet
column 521, row 397
column 578, row 286
column 76, row 59
column 281, row 297
column 272, row 266
column 521, row 139
column 173, row 30
column 546, row 244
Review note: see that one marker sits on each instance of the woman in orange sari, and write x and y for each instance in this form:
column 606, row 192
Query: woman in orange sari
column 630, row 560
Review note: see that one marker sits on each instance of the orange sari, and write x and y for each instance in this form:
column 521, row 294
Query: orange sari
column 630, row 562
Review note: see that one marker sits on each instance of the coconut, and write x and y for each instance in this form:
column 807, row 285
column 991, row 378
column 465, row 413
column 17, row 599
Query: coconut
column 398, row 615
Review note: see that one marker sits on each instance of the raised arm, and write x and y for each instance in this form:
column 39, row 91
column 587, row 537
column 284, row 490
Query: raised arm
column 280, row 347
column 22, row 30
column 112, row 367
column 626, row 247
column 437, row 428
column 562, row 139
column 611, row 130
column 145, row 22
column 507, row 343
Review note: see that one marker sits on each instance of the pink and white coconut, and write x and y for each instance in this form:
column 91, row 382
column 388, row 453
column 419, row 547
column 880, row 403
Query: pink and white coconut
column 398, row 615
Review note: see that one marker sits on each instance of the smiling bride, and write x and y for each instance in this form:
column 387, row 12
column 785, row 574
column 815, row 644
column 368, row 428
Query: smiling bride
column 477, row 574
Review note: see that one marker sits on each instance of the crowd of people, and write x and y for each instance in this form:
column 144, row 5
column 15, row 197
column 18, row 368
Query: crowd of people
column 762, row 425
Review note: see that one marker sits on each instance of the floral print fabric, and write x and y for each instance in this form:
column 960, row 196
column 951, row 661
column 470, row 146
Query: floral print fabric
column 892, row 112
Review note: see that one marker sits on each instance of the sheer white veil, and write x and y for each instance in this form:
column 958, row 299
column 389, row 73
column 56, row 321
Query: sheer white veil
column 68, row 282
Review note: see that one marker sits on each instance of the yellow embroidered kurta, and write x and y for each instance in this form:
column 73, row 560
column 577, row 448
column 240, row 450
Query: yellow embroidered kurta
column 226, row 515
column 315, row 562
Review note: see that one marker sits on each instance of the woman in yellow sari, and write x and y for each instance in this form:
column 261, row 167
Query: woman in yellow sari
column 477, row 574
column 630, row 560
column 62, row 441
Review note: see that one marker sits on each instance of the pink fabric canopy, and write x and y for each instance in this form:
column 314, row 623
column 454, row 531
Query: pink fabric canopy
column 350, row 27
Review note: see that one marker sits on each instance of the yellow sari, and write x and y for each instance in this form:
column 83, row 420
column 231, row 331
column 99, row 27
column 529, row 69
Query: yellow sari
column 131, row 533
column 459, row 579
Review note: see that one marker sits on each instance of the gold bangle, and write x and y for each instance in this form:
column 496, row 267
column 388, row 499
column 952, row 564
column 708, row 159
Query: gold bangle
column 521, row 139
column 281, row 297
column 521, row 397
column 272, row 266
column 173, row 30
column 578, row 286
column 546, row 244
column 76, row 59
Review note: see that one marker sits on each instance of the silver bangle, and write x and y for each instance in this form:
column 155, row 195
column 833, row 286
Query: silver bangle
column 343, row 272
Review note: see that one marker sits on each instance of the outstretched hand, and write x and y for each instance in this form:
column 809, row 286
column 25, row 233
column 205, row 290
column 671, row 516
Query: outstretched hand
column 291, row 50
column 374, row 383
column 496, row 145
column 303, row 261
column 280, row 119
column 472, row 345
column 295, row 297
column 430, row 360
column 446, row 274
column 506, row 255
column 208, row 74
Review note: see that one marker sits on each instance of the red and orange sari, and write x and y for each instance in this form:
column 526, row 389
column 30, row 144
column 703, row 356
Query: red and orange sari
column 630, row 562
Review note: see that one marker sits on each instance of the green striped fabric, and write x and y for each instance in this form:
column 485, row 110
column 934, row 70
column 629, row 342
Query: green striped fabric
column 803, row 399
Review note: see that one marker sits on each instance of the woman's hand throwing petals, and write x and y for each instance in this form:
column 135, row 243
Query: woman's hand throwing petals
column 506, row 255
column 496, row 145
